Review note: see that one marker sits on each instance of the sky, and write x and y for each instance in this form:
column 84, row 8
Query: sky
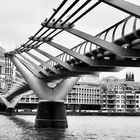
column 21, row 19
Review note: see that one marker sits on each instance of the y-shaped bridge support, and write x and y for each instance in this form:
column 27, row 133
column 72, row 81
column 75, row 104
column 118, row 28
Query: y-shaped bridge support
column 10, row 111
column 51, row 110
column 10, row 105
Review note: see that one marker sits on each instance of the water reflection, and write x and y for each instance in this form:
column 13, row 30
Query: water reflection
column 80, row 128
column 30, row 132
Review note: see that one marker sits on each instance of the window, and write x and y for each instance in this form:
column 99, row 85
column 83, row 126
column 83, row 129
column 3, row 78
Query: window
column 118, row 101
column 27, row 99
column 118, row 106
column 122, row 96
column 118, row 96
column 137, row 101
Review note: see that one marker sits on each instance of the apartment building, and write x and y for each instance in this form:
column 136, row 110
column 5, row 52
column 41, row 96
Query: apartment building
column 120, row 95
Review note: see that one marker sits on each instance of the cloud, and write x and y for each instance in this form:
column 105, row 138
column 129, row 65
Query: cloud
column 21, row 19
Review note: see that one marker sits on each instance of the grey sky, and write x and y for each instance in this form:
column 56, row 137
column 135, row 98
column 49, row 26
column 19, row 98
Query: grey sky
column 19, row 19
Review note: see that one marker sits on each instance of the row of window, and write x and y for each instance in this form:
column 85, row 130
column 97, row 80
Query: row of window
column 27, row 100
column 120, row 106
column 122, row 101
column 122, row 96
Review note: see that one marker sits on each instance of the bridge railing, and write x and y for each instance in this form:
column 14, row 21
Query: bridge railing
column 116, row 33
column 61, row 21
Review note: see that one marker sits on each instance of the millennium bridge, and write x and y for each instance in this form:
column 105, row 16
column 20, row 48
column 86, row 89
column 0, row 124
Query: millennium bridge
column 103, row 52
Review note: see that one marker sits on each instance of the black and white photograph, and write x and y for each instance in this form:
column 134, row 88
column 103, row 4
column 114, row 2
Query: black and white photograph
column 69, row 70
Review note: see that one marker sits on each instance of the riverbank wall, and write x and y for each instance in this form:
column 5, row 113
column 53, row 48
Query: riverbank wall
column 85, row 113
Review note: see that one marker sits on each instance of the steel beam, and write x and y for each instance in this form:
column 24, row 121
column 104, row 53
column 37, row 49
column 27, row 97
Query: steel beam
column 125, row 6
column 90, row 70
column 17, row 92
column 39, row 87
column 80, row 57
column 116, row 63
column 64, row 64
column 53, row 69
column 33, row 71
column 57, row 10
column 34, row 65
column 116, row 49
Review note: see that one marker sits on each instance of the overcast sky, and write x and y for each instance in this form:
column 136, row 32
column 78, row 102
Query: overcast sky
column 19, row 19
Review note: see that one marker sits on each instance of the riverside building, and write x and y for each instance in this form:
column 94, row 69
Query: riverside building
column 6, row 72
column 120, row 95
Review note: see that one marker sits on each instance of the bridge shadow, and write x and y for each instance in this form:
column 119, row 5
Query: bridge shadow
column 28, row 130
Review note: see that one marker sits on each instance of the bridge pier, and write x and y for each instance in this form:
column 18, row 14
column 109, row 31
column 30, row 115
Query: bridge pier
column 51, row 109
column 51, row 114
column 10, row 105
column 10, row 111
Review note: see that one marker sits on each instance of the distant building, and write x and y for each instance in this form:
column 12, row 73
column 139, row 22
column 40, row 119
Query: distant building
column 6, row 72
column 120, row 95
column 129, row 76
column 84, row 93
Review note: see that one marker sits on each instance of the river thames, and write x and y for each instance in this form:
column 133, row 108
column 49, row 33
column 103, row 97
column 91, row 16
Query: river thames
column 80, row 128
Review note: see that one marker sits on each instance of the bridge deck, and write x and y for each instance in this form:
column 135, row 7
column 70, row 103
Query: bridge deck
column 95, row 54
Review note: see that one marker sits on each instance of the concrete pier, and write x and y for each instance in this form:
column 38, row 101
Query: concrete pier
column 10, row 111
column 51, row 114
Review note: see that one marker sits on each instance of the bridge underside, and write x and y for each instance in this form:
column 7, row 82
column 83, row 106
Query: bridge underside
column 96, row 54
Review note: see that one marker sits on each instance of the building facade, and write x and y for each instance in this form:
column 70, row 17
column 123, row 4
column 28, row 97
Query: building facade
column 120, row 95
column 108, row 95
column 6, row 72
column 84, row 93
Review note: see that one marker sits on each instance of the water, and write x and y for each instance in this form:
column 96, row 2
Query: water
column 80, row 128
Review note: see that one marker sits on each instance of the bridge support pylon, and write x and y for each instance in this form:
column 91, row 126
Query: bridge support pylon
column 10, row 111
column 51, row 114
column 51, row 109
column 10, row 105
